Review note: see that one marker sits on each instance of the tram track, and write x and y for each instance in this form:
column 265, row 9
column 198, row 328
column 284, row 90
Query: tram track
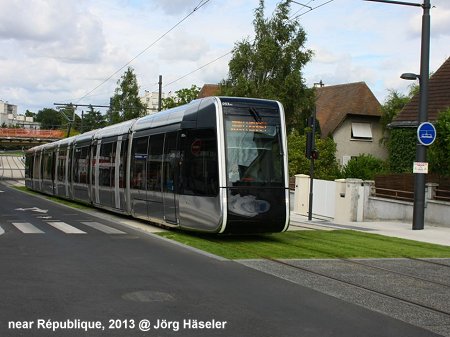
column 424, row 306
column 359, row 286
column 403, row 256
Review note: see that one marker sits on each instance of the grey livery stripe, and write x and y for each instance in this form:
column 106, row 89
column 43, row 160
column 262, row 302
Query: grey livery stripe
column 27, row 228
column 102, row 228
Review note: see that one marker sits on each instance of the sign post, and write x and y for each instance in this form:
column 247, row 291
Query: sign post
column 426, row 135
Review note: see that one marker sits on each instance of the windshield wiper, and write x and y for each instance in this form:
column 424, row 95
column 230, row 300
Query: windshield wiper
column 255, row 115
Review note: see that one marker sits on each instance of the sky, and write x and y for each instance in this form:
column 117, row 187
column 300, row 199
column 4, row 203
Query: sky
column 54, row 51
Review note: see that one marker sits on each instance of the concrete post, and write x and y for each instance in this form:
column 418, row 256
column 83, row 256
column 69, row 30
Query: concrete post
column 301, row 201
column 431, row 191
column 348, row 205
column 369, row 190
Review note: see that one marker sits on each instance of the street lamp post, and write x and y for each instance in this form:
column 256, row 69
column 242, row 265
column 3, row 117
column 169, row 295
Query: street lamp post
column 421, row 152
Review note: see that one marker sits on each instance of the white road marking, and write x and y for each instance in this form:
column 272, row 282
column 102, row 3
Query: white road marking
column 102, row 228
column 34, row 209
column 2, row 231
column 66, row 228
column 27, row 228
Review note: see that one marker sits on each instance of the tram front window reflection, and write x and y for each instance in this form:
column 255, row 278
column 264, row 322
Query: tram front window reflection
column 254, row 155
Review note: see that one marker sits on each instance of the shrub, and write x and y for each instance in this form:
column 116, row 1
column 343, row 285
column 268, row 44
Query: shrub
column 326, row 167
column 364, row 166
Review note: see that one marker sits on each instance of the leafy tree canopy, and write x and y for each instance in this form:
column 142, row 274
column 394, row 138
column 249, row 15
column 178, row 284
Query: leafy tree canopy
column 93, row 120
column 126, row 104
column 29, row 113
column 182, row 96
column 51, row 119
column 271, row 65
column 393, row 104
column 326, row 167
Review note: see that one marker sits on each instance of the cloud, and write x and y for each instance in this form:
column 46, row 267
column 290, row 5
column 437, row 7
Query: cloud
column 52, row 29
column 440, row 21
column 182, row 45
column 176, row 7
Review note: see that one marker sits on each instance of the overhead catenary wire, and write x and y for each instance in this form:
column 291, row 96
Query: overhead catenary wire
column 200, row 5
column 220, row 57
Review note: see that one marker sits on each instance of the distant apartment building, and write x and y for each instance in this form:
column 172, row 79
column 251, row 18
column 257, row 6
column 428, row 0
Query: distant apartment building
column 150, row 100
column 10, row 118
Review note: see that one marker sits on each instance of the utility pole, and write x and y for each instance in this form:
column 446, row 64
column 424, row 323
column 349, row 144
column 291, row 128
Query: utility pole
column 421, row 150
column 312, row 153
column 74, row 107
column 160, row 93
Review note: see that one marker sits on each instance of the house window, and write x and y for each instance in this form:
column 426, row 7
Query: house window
column 345, row 160
column 361, row 131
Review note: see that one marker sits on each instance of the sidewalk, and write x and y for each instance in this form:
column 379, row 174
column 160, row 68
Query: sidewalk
column 430, row 234
column 12, row 167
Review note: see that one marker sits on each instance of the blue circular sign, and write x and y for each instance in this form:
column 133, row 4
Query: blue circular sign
column 426, row 133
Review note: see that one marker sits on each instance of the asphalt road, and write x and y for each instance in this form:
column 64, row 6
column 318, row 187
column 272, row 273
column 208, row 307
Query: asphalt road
column 92, row 280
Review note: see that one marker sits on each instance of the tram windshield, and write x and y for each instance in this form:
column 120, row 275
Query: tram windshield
column 254, row 149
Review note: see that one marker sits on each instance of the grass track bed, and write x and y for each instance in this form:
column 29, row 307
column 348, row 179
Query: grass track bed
column 314, row 244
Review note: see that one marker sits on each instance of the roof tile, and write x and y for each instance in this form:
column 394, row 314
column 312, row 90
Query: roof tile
column 334, row 103
column 438, row 97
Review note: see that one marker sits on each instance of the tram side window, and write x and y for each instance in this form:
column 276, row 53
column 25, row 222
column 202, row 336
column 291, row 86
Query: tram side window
column 81, row 161
column 123, row 163
column 62, row 157
column 106, row 164
column 137, row 165
column 36, row 170
column 47, row 165
column 200, row 164
column 28, row 166
column 93, row 162
column 154, row 163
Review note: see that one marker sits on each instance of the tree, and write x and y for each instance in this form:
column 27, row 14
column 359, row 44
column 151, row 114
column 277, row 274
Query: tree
column 400, row 142
column 326, row 167
column 394, row 103
column 51, row 119
column 182, row 96
column 271, row 65
column 126, row 104
column 93, row 120
column 29, row 113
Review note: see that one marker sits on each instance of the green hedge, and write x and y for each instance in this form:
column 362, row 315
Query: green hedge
column 402, row 150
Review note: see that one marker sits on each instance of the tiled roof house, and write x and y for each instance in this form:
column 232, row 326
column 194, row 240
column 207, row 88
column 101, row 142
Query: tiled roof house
column 208, row 90
column 438, row 99
column 350, row 113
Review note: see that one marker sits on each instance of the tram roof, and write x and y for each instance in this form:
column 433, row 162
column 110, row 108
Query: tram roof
column 115, row 130
column 166, row 117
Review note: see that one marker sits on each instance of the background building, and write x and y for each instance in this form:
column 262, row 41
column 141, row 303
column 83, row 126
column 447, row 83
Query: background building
column 10, row 118
column 350, row 113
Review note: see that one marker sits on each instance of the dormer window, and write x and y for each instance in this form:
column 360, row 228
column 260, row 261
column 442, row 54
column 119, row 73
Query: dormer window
column 361, row 131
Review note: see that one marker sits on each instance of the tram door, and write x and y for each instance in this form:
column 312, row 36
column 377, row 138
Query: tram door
column 170, row 168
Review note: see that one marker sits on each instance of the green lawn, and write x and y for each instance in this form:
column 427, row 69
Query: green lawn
column 308, row 245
